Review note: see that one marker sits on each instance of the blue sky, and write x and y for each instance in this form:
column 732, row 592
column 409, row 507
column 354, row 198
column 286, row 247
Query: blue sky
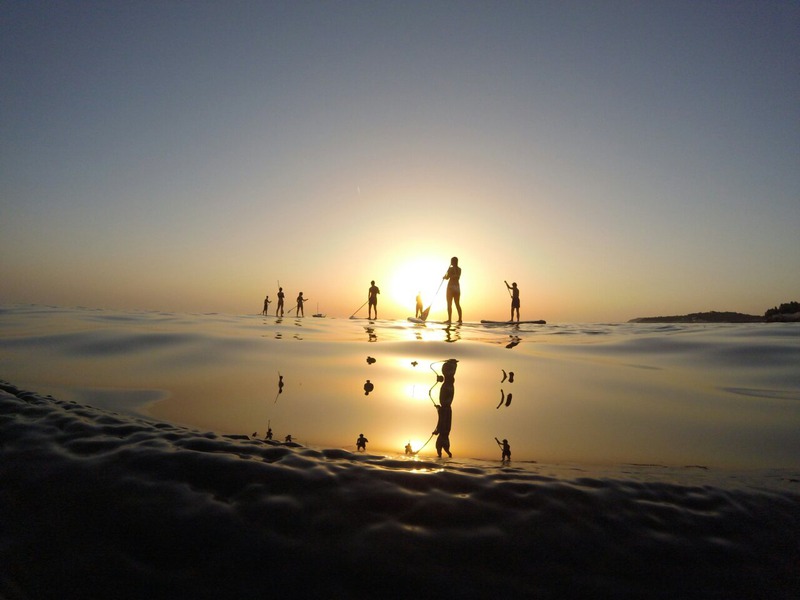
column 616, row 159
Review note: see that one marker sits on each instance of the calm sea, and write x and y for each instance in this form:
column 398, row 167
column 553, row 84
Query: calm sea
column 675, row 395
column 648, row 461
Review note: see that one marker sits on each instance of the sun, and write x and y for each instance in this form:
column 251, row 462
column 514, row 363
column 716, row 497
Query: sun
column 423, row 276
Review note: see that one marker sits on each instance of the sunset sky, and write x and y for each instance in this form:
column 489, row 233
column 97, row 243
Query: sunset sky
column 616, row 159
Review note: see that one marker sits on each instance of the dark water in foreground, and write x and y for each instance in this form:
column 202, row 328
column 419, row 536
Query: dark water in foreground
column 96, row 504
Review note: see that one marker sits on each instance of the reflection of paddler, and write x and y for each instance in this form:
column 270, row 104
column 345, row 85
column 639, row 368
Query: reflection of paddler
column 280, row 387
column 505, row 447
column 446, row 393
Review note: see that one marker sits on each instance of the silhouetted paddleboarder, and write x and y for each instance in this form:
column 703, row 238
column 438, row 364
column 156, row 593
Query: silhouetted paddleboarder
column 279, row 307
column 444, row 408
column 408, row 448
column 361, row 443
column 514, row 291
column 267, row 302
column 269, row 433
column 372, row 299
column 300, row 300
column 506, row 448
column 453, row 278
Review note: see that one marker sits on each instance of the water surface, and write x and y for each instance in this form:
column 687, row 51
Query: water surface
column 675, row 395
column 648, row 461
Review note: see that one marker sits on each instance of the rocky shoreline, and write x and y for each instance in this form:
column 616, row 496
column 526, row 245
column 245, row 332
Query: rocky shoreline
column 721, row 317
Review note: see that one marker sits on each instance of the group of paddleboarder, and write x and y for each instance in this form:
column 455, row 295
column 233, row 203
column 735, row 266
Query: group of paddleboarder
column 447, row 378
column 279, row 308
column 453, row 294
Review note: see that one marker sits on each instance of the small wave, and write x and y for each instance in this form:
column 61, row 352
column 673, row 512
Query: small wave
column 97, row 504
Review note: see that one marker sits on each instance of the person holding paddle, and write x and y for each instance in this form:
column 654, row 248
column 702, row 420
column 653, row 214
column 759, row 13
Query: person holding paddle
column 372, row 299
column 453, row 277
column 506, row 449
column 279, row 308
column 514, row 291
column 300, row 301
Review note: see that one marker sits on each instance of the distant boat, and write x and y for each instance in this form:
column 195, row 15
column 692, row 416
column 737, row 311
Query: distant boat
column 318, row 314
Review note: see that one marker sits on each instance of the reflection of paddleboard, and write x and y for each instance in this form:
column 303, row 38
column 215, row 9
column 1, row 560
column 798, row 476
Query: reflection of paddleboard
column 540, row 322
column 416, row 320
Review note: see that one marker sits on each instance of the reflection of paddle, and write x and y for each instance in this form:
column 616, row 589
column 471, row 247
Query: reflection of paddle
column 423, row 446
column 358, row 309
column 424, row 314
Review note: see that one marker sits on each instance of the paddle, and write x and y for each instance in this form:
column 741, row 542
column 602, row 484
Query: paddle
column 295, row 306
column 422, row 447
column 424, row 314
column 358, row 309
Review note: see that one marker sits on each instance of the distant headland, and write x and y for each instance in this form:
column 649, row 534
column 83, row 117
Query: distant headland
column 787, row 312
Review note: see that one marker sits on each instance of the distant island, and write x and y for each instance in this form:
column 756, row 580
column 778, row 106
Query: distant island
column 787, row 312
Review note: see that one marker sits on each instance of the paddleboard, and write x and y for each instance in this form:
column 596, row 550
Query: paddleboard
column 540, row 322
